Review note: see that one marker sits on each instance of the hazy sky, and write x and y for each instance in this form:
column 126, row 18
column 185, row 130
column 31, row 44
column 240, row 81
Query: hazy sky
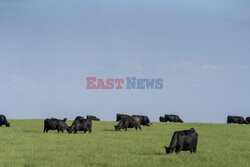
column 200, row 48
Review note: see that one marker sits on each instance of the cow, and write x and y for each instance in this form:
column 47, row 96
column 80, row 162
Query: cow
column 55, row 124
column 248, row 120
column 185, row 140
column 79, row 117
column 80, row 124
column 128, row 122
column 93, row 118
column 3, row 121
column 120, row 116
column 162, row 119
column 236, row 119
column 144, row 120
column 173, row 118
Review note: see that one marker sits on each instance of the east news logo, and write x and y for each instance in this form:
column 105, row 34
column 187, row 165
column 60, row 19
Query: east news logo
column 128, row 83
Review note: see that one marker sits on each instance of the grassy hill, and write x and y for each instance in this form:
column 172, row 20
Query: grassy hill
column 25, row 144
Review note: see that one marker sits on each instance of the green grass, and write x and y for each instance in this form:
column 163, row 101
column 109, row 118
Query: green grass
column 25, row 144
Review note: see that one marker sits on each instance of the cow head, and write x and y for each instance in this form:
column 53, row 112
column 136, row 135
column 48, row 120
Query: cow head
column 168, row 150
column 7, row 124
column 69, row 129
column 117, row 127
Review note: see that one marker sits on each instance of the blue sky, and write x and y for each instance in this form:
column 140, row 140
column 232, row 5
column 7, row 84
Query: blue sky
column 200, row 49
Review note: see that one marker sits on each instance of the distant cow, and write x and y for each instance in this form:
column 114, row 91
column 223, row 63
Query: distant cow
column 79, row 117
column 93, row 118
column 236, row 119
column 80, row 124
column 55, row 124
column 173, row 118
column 144, row 120
column 162, row 119
column 128, row 122
column 248, row 120
column 3, row 121
column 185, row 140
column 120, row 116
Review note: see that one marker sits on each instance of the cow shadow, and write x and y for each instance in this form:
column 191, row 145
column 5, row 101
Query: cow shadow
column 109, row 130
column 159, row 153
column 154, row 153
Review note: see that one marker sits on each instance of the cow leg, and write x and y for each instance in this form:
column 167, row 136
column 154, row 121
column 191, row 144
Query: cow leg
column 178, row 149
column 75, row 131
column 57, row 130
column 47, row 130
column 191, row 150
column 62, row 131
column 126, row 129
column 140, row 127
column 194, row 149
column 136, row 128
column 44, row 130
column 90, row 130
column 85, row 131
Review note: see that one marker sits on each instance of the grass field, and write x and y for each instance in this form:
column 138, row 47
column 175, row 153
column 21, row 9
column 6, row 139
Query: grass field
column 25, row 144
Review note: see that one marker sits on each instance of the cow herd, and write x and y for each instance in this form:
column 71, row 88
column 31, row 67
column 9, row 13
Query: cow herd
column 185, row 140
column 79, row 124
column 237, row 120
column 134, row 121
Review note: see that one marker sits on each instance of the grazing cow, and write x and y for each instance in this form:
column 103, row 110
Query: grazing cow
column 144, row 120
column 248, row 120
column 120, row 116
column 183, row 141
column 55, row 124
column 128, row 122
column 236, row 119
column 173, row 118
column 80, row 124
column 162, row 119
column 3, row 121
column 93, row 118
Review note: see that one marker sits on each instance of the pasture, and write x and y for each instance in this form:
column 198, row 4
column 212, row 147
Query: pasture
column 25, row 145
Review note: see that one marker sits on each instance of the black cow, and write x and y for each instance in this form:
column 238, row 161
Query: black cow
column 183, row 141
column 55, row 124
column 236, row 119
column 248, row 120
column 93, row 118
column 128, row 122
column 144, row 120
column 173, row 118
column 120, row 116
column 79, row 117
column 81, row 124
column 162, row 119
column 3, row 121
